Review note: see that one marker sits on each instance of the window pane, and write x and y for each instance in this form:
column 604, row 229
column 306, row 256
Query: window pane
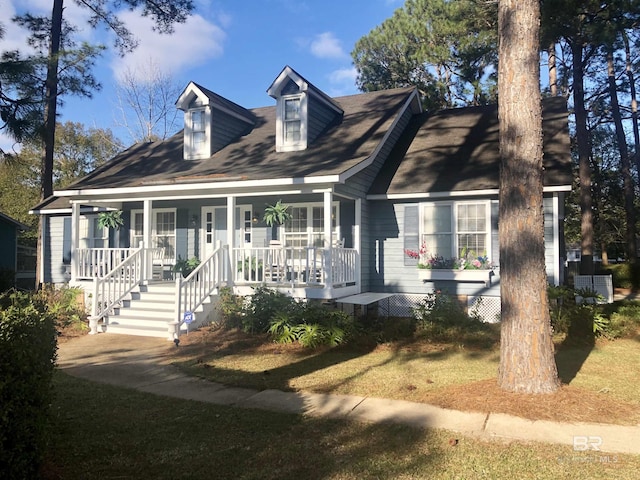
column 292, row 109
column 436, row 219
column 436, row 227
column 437, row 245
column 198, row 139
column 197, row 120
column 472, row 229
column 292, row 131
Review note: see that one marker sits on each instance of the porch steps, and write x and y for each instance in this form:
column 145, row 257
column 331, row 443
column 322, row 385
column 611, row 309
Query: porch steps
column 147, row 313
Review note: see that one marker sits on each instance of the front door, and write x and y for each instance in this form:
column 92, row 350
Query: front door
column 214, row 228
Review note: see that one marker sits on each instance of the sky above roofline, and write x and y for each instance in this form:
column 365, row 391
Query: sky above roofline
column 235, row 49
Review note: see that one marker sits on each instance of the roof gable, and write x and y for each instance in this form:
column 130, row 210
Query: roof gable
column 457, row 150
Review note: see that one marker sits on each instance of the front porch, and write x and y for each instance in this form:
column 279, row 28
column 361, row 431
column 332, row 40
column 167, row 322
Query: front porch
column 115, row 279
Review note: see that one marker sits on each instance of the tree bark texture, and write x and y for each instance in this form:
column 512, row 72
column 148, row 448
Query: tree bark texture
column 49, row 129
column 584, row 155
column 527, row 362
column 625, row 164
column 634, row 101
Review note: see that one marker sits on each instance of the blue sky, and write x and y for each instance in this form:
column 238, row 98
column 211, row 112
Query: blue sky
column 234, row 48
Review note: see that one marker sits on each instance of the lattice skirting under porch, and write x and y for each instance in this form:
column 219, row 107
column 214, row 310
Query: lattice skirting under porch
column 403, row 304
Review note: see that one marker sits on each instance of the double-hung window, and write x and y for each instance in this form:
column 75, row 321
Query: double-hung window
column 454, row 230
column 198, row 132
column 292, row 121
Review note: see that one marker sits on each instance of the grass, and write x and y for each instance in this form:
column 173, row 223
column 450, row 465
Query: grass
column 102, row 432
column 599, row 379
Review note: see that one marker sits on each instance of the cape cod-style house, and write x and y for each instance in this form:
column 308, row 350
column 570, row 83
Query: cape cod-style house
column 369, row 180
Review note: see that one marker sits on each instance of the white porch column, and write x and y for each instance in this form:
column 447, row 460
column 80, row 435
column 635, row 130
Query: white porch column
column 231, row 235
column 147, row 225
column 231, row 222
column 357, row 242
column 328, row 243
column 328, row 224
column 75, row 239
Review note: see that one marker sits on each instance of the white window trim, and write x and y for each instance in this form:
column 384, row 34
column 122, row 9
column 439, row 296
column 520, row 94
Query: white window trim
column 89, row 241
column 281, row 145
column 154, row 229
column 190, row 150
column 309, row 230
column 454, row 223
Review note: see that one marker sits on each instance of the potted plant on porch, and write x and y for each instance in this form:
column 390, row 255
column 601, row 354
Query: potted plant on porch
column 275, row 215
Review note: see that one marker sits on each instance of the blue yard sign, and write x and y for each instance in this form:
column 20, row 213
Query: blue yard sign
column 188, row 317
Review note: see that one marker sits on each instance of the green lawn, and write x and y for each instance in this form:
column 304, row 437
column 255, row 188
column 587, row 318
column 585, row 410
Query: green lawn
column 104, row 432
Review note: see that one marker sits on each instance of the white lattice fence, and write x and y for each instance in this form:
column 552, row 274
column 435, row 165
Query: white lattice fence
column 402, row 305
column 486, row 308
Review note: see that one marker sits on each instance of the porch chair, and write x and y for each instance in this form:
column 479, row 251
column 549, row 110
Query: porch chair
column 275, row 262
column 160, row 265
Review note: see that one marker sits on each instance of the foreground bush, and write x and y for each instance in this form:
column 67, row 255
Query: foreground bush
column 443, row 318
column 27, row 359
column 582, row 321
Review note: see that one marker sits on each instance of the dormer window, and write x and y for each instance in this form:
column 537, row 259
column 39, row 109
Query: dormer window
column 211, row 122
column 291, row 126
column 198, row 132
column 292, row 121
column 303, row 111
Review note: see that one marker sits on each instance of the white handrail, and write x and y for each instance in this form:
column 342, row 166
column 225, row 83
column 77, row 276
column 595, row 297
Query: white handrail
column 110, row 289
column 192, row 291
column 96, row 262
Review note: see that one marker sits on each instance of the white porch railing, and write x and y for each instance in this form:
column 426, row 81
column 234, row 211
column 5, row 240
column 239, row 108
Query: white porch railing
column 295, row 265
column 97, row 262
column 192, row 291
column 115, row 285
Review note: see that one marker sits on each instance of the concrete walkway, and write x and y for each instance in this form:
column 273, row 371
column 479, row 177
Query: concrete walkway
column 143, row 364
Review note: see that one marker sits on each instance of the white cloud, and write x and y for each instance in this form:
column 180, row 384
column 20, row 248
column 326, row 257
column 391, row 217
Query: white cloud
column 343, row 75
column 326, row 45
column 192, row 43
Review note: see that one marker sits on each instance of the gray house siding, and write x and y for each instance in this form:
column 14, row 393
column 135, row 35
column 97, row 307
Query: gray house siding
column 320, row 116
column 359, row 184
column 394, row 230
column 225, row 129
column 57, row 249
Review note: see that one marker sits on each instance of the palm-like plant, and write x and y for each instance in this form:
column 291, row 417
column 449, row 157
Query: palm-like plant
column 276, row 214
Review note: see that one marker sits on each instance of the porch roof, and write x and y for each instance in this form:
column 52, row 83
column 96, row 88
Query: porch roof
column 457, row 150
column 367, row 118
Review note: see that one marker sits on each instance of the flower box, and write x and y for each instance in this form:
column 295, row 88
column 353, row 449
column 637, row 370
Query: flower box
column 455, row 275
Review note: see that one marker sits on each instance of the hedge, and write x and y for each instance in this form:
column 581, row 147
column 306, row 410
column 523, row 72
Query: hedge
column 27, row 359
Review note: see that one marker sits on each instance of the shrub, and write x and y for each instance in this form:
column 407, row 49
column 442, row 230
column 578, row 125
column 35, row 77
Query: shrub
column 624, row 319
column 623, row 275
column 27, row 359
column 232, row 308
column 264, row 305
column 443, row 318
column 66, row 305
column 312, row 326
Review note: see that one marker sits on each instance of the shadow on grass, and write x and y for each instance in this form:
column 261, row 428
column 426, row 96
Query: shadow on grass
column 144, row 436
column 574, row 351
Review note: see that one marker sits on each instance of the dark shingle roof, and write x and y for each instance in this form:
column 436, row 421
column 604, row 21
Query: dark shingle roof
column 367, row 118
column 458, row 150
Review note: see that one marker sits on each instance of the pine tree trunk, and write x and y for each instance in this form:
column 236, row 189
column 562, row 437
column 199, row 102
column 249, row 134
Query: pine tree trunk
column 553, row 71
column 51, row 97
column 634, row 101
column 584, row 149
column 625, row 163
column 527, row 361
